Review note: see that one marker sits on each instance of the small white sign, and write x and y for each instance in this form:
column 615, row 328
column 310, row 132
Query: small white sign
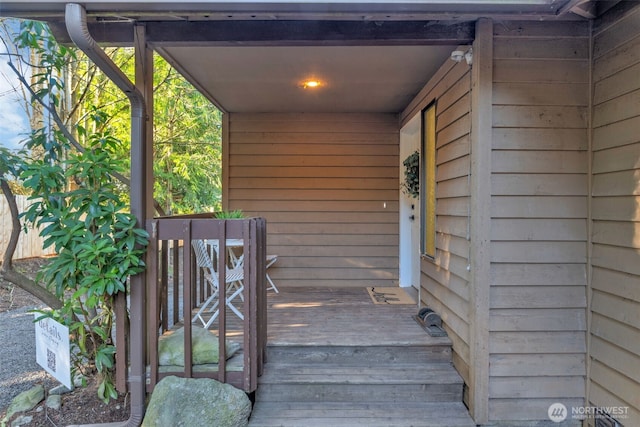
column 53, row 350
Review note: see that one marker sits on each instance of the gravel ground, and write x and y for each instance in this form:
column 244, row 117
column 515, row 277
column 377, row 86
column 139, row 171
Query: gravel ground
column 18, row 368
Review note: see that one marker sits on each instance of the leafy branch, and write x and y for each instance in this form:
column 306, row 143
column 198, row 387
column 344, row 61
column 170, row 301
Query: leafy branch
column 411, row 184
column 97, row 241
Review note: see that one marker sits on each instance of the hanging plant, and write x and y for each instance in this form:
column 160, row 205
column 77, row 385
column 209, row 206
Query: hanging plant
column 411, row 184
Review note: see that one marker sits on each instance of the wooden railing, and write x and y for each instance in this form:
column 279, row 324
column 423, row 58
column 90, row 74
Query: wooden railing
column 176, row 287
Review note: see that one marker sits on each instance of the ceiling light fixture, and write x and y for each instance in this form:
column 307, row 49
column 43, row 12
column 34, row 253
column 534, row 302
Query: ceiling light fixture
column 311, row 84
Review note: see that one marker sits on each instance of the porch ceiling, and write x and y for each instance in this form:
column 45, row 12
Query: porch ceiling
column 253, row 56
column 352, row 78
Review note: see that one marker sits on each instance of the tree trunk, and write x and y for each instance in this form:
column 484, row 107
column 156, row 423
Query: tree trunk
column 6, row 269
column 24, row 283
column 15, row 225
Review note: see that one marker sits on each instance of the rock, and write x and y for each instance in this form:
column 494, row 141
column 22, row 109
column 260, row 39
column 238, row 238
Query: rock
column 205, row 347
column 60, row 389
column 22, row 420
column 79, row 381
column 25, row 401
column 54, row 402
column 196, row 402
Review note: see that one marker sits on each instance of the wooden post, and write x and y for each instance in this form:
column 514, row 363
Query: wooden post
column 142, row 163
column 154, row 315
column 122, row 338
column 187, row 297
column 140, row 199
column 144, row 81
column 222, row 306
column 176, row 281
column 481, row 135
column 163, row 282
column 225, row 160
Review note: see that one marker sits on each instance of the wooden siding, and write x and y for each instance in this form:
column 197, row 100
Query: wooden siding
column 328, row 185
column 539, row 198
column 445, row 279
column 614, row 352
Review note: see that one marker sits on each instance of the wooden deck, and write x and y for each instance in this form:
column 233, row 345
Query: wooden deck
column 334, row 317
column 341, row 316
column 334, row 358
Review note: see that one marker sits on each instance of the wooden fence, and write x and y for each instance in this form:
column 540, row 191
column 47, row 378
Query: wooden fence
column 30, row 243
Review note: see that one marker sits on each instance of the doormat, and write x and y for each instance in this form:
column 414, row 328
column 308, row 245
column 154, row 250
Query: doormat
column 391, row 295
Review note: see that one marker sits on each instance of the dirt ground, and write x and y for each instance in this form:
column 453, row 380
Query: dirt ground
column 82, row 405
column 11, row 297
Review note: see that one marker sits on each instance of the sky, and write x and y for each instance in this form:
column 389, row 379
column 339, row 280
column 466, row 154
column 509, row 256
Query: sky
column 13, row 121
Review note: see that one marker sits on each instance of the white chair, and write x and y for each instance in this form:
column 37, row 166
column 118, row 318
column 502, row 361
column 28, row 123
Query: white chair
column 234, row 284
column 271, row 259
column 237, row 260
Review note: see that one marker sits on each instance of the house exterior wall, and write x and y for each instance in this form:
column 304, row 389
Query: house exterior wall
column 614, row 348
column 556, row 186
column 445, row 279
column 328, row 185
column 538, row 218
column 539, row 188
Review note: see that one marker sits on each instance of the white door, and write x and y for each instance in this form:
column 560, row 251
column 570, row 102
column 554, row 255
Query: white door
column 409, row 211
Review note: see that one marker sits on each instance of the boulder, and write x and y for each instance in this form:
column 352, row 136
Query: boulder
column 196, row 402
column 54, row 402
column 204, row 347
column 25, row 401
column 59, row 389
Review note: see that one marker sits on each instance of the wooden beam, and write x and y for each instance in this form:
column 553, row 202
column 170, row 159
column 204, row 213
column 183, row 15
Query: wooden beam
column 282, row 33
column 481, row 120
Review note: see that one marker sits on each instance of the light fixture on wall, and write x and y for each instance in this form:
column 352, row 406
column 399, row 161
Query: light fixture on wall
column 458, row 55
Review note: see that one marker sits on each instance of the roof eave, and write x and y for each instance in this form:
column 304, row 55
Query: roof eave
column 165, row 10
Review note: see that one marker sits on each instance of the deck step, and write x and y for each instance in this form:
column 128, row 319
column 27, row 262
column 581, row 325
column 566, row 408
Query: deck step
column 334, row 359
column 341, row 414
column 435, row 382
column 440, row 373
column 353, row 355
